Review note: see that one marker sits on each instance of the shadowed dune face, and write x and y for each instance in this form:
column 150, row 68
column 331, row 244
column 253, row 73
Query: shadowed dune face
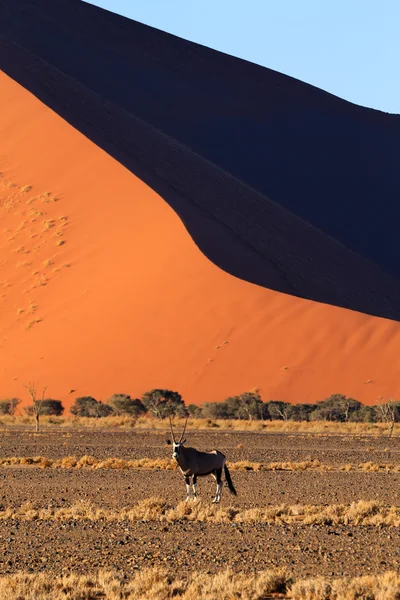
column 328, row 161
column 103, row 290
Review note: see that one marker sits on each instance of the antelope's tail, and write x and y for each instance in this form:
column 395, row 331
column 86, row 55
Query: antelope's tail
column 229, row 481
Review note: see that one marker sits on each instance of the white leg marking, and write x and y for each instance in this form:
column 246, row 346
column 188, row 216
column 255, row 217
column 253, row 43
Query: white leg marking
column 187, row 492
column 218, row 494
column 219, row 491
column 195, row 491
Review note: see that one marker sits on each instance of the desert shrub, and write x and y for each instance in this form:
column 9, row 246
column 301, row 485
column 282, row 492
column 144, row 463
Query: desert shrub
column 86, row 406
column 47, row 407
column 195, row 411
column 335, row 408
column 366, row 414
column 5, row 407
column 247, row 405
column 8, row 406
column 123, row 404
column 232, row 406
column 164, row 403
column 215, row 410
column 300, row 412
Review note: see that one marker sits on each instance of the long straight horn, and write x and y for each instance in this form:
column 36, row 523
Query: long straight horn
column 170, row 426
column 184, row 429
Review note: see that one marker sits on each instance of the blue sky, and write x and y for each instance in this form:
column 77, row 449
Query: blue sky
column 350, row 48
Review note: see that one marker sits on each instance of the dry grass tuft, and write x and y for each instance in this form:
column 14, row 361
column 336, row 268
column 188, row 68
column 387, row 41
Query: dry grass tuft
column 369, row 587
column 168, row 464
column 72, row 462
column 157, row 509
column 147, row 584
column 158, row 583
column 245, row 465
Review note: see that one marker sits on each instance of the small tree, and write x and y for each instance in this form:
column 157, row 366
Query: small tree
column 279, row 410
column 245, row 406
column 164, row 402
column 123, row 404
column 251, row 406
column 387, row 412
column 14, row 403
column 36, row 404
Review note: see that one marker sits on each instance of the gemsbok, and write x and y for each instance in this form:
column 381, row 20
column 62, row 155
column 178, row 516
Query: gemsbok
column 194, row 463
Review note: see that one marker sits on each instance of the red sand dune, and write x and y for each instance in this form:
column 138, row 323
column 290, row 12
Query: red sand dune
column 128, row 302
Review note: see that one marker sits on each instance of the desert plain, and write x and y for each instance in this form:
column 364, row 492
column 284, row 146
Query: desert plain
column 310, row 504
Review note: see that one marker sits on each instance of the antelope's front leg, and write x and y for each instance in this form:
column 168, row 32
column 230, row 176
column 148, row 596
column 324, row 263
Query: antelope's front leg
column 187, row 481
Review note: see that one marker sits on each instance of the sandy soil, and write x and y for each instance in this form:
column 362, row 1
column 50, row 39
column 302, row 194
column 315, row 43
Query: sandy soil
column 82, row 546
column 84, row 306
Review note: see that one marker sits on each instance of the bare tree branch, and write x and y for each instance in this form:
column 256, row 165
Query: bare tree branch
column 31, row 387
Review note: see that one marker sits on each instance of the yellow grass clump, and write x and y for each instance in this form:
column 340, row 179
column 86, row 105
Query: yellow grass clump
column 147, row 584
column 369, row 587
column 89, row 462
column 245, row 465
column 157, row 583
column 168, row 464
column 358, row 513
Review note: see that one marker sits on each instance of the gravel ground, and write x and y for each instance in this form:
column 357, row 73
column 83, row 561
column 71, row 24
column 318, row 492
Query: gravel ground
column 306, row 550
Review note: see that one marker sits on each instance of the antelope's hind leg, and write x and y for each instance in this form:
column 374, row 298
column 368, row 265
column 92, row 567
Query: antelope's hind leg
column 195, row 487
column 187, row 481
column 218, row 477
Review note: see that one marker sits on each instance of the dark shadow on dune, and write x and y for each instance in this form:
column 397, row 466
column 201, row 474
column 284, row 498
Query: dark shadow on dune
column 135, row 91
column 332, row 163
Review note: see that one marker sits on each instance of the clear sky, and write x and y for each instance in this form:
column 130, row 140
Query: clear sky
column 350, row 48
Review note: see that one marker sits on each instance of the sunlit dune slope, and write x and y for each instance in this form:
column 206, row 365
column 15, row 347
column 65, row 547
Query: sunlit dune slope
column 334, row 164
column 103, row 290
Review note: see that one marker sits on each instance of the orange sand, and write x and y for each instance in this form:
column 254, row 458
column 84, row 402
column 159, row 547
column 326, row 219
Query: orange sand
column 128, row 302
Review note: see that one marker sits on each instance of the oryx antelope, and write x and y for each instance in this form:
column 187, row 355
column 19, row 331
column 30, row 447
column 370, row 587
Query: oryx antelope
column 193, row 463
